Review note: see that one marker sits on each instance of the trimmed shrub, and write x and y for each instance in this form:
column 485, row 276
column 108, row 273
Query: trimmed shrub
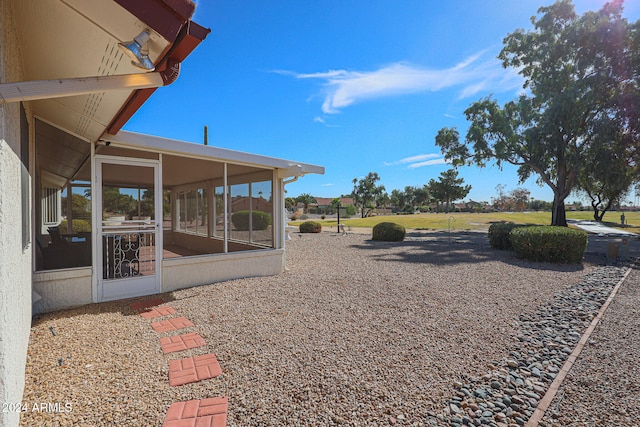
column 78, row 225
column 259, row 220
column 389, row 232
column 310, row 227
column 499, row 235
column 547, row 243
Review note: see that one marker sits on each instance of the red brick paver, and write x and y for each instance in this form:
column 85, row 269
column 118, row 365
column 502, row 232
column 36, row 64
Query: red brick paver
column 198, row 413
column 144, row 304
column 193, row 369
column 181, row 342
column 164, row 310
column 171, row 324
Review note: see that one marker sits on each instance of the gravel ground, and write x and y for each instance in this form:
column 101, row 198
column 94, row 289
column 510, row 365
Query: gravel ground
column 356, row 333
column 603, row 387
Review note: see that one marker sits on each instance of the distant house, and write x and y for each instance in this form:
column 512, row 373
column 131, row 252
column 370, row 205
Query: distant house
column 91, row 213
column 323, row 205
column 323, row 202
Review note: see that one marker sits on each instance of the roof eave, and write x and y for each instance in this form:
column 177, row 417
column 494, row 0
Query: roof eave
column 177, row 147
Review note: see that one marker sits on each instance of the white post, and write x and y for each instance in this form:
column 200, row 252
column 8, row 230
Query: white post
column 226, row 209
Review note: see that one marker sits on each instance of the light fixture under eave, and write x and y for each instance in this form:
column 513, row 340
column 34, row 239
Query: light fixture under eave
column 138, row 51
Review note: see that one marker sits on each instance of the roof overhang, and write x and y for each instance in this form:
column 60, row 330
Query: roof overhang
column 71, row 39
column 286, row 168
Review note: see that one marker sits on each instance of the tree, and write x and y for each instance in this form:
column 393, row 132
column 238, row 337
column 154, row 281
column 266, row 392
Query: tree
column 519, row 199
column 581, row 74
column 500, row 202
column 540, row 205
column 398, row 199
column 115, row 202
column 448, row 188
column 605, row 178
column 367, row 194
column 289, row 202
column 80, row 207
column 306, row 199
column 421, row 195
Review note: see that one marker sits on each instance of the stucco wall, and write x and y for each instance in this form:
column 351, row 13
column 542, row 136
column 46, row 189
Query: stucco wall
column 178, row 273
column 15, row 263
column 62, row 289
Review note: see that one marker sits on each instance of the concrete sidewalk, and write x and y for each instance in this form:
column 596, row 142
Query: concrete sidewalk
column 608, row 240
column 599, row 229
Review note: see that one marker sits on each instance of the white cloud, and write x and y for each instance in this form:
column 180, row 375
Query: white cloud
column 419, row 161
column 412, row 159
column 327, row 185
column 440, row 161
column 344, row 87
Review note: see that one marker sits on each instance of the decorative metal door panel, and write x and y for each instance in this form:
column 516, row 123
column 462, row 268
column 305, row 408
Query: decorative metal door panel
column 129, row 230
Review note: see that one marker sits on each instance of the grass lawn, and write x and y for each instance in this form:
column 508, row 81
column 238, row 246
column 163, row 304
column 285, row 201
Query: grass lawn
column 479, row 221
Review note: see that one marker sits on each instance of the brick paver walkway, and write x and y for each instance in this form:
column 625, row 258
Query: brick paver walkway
column 181, row 342
column 164, row 310
column 171, row 324
column 198, row 413
column 210, row 412
column 193, row 369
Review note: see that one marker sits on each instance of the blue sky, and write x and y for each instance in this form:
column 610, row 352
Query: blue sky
column 354, row 86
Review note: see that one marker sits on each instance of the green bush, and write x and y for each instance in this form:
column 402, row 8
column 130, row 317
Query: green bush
column 549, row 244
column 499, row 235
column 310, row 227
column 259, row 220
column 78, row 226
column 389, row 232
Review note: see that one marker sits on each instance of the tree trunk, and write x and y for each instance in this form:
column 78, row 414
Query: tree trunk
column 558, row 213
column 597, row 215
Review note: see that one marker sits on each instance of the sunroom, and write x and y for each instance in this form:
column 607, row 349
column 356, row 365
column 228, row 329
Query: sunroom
column 136, row 214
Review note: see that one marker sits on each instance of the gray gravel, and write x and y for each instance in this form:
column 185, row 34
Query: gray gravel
column 603, row 387
column 510, row 392
column 356, row 333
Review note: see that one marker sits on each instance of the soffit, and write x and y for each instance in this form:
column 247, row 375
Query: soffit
column 79, row 38
column 60, row 153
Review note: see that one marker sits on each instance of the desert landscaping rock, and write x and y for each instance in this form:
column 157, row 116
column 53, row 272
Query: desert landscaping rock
column 355, row 333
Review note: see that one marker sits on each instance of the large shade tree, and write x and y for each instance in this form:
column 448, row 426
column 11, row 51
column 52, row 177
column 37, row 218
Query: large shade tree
column 581, row 84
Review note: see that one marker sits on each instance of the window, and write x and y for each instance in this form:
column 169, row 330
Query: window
column 218, row 213
column 192, row 211
column 252, row 212
column 244, row 221
column 50, row 206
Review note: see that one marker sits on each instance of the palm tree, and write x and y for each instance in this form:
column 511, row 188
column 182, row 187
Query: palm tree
column 306, row 199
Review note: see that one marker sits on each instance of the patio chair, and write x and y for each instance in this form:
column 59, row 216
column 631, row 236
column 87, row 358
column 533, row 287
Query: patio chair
column 56, row 236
